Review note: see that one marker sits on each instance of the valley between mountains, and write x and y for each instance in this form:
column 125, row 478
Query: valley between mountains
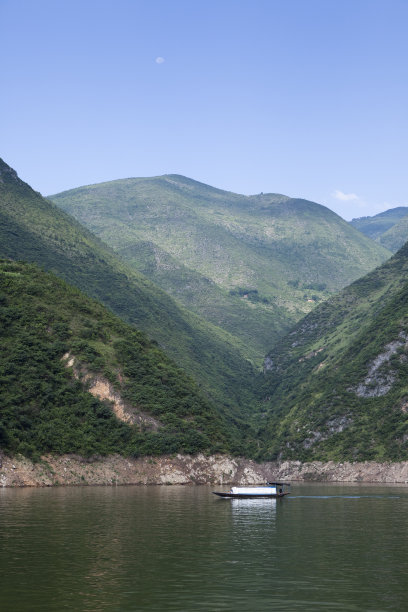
column 252, row 265
column 149, row 318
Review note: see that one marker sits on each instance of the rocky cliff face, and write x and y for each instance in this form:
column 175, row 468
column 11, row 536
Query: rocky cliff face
column 185, row 469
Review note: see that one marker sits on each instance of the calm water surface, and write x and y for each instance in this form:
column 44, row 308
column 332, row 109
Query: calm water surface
column 181, row 548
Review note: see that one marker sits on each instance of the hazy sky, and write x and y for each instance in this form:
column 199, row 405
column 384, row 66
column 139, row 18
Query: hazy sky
column 306, row 98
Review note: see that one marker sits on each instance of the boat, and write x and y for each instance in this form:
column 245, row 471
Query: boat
column 270, row 489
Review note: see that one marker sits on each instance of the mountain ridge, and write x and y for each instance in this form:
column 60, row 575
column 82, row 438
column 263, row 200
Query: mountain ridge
column 230, row 258
column 389, row 228
column 36, row 230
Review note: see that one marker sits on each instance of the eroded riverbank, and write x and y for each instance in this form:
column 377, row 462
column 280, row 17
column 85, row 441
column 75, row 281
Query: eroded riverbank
column 184, row 469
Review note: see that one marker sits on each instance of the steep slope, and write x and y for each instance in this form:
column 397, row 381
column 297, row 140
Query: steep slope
column 34, row 229
column 336, row 386
column 63, row 354
column 394, row 238
column 375, row 227
column 252, row 265
column 252, row 320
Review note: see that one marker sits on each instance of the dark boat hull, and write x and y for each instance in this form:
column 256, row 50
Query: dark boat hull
column 248, row 495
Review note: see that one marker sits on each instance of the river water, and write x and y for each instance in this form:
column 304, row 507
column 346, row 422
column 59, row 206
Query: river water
column 326, row 547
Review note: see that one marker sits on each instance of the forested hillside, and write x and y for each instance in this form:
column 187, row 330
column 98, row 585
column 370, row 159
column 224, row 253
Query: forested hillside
column 337, row 385
column 35, row 230
column 252, row 265
column 57, row 344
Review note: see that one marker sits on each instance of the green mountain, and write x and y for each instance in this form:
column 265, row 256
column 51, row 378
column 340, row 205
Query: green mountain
column 395, row 237
column 35, row 230
column 336, row 387
column 63, row 353
column 380, row 227
column 252, row 265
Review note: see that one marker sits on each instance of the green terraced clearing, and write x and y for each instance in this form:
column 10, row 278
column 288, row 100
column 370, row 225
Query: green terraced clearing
column 252, row 265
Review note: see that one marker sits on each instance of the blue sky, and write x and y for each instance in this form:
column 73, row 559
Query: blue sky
column 303, row 97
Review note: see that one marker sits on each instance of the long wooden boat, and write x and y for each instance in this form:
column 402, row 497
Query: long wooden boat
column 271, row 490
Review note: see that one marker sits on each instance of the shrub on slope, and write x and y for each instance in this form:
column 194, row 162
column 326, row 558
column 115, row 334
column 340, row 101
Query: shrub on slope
column 45, row 407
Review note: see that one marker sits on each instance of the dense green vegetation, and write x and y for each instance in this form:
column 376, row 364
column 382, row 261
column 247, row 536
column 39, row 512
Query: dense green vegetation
column 336, row 387
column 389, row 228
column 35, row 230
column 43, row 408
column 204, row 246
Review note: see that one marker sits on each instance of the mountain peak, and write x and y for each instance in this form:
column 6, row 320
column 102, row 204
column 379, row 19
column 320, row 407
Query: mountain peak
column 248, row 264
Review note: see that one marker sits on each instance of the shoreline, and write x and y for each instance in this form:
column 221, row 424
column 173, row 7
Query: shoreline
column 73, row 470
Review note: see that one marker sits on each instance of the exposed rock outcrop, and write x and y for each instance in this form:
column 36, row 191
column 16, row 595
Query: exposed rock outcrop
column 102, row 389
column 380, row 377
column 186, row 469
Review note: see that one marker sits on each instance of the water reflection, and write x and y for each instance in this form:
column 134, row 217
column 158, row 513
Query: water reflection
column 181, row 548
column 252, row 509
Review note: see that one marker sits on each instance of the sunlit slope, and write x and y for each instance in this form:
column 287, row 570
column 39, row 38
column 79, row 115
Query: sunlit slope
column 389, row 228
column 251, row 264
column 34, row 229
column 56, row 345
column 396, row 236
column 337, row 384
